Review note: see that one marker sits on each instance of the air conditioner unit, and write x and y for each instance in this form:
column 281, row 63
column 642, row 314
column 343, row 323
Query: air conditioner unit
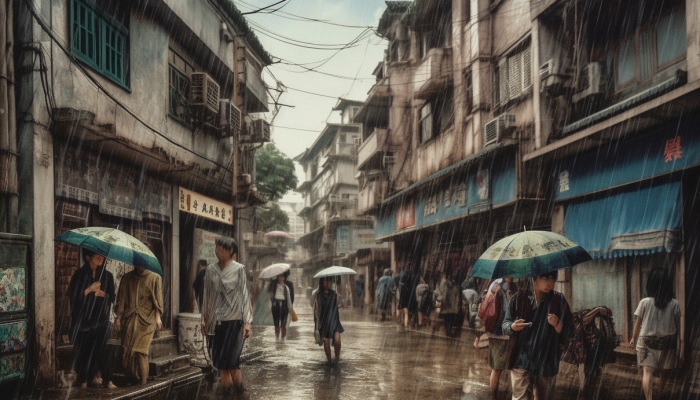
column 389, row 161
column 259, row 131
column 590, row 82
column 551, row 67
column 495, row 129
column 204, row 92
column 229, row 117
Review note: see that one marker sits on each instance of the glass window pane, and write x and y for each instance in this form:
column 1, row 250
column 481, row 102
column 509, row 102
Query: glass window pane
column 670, row 37
column 646, row 53
column 626, row 63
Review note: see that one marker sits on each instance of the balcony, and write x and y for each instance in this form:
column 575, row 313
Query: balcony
column 434, row 72
column 372, row 148
column 371, row 196
column 341, row 149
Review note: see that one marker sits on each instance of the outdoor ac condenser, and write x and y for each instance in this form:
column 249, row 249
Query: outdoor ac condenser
column 496, row 129
column 204, row 92
column 590, row 82
column 229, row 118
column 259, row 131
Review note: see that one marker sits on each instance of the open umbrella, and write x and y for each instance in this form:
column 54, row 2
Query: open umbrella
column 279, row 234
column 115, row 244
column 334, row 271
column 273, row 270
column 529, row 253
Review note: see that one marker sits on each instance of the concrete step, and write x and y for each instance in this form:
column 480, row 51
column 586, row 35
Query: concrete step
column 168, row 364
column 165, row 344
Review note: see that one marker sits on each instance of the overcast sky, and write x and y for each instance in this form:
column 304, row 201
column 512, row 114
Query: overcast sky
column 311, row 112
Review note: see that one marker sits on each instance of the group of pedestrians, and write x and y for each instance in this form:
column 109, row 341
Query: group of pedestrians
column 138, row 310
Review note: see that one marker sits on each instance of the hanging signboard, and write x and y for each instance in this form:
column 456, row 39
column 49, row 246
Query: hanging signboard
column 204, row 206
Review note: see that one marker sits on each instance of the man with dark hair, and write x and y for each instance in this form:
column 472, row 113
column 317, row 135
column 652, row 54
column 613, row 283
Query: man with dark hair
column 540, row 320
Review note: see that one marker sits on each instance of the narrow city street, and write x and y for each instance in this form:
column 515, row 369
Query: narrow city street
column 380, row 360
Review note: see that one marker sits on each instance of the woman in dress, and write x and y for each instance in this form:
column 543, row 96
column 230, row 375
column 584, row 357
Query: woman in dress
column 657, row 330
column 327, row 317
column 281, row 305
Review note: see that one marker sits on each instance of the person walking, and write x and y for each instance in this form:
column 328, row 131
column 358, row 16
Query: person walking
column 406, row 293
column 227, row 312
column 327, row 317
column 471, row 298
column 450, row 305
column 281, row 305
column 139, row 308
column 656, row 335
column 360, row 291
column 385, row 287
column 492, row 313
column 540, row 320
column 91, row 293
column 424, row 300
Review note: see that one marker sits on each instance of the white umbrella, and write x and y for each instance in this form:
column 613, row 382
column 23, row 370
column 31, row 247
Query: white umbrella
column 273, row 270
column 334, row 271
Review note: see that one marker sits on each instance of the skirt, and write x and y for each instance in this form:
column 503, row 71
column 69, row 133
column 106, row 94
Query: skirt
column 227, row 344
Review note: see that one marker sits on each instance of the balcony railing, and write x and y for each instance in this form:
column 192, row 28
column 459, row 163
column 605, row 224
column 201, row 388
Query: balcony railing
column 434, row 72
column 342, row 149
column 374, row 145
column 371, row 195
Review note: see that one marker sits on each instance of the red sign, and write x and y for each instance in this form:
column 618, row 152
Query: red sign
column 673, row 150
column 405, row 215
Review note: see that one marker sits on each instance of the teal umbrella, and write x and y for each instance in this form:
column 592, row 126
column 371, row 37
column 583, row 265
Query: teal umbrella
column 115, row 244
column 529, row 253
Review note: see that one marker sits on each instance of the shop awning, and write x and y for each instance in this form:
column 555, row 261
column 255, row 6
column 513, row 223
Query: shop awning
column 635, row 222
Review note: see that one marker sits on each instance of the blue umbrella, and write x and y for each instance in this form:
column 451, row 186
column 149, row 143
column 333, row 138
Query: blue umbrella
column 115, row 244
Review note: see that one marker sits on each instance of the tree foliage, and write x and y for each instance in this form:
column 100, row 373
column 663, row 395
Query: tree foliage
column 274, row 171
column 271, row 219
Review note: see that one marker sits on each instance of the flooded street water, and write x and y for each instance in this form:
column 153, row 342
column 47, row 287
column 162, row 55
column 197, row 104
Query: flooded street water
column 381, row 360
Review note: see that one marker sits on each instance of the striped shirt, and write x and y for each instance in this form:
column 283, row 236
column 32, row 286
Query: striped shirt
column 226, row 295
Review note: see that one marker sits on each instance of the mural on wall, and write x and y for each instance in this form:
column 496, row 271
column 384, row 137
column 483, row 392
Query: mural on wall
column 13, row 336
column 12, row 289
column 12, row 366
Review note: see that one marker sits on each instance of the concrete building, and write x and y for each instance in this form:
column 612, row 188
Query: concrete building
column 133, row 115
column 572, row 116
column 333, row 230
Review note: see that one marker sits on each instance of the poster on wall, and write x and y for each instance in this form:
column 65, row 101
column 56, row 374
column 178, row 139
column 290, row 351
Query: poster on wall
column 119, row 194
column 195, row 203
column 204, row 246
column 12, row 289
column 405, row 215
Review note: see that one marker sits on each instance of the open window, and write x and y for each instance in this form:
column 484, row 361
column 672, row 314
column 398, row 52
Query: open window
column 436, row 115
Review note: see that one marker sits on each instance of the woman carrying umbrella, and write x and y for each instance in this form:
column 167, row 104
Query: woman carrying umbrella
column 91, row 292
column 281, row 305
column 327, row 317
column 384, row 288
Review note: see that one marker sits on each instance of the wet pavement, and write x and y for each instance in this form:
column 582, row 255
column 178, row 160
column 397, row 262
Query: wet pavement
column 382, row 360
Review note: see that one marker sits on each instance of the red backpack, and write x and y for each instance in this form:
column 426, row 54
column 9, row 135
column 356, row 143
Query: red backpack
column 489, row 312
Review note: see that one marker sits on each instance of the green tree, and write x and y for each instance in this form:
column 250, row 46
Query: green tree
column 271, row 218
column 274, row 171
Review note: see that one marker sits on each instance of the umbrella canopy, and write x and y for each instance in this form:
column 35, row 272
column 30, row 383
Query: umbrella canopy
column 334, row 271
column 273, row 270
column 280, row 234
column 115, row 244
column 529, row 253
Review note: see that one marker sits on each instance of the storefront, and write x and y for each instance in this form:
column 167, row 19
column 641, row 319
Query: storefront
column 628, row 205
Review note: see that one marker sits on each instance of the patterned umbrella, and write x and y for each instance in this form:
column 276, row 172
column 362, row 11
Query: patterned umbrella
column 115, row 244
column 529, row 253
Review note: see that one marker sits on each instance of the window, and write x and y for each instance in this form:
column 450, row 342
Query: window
column 179, row 95
column 436, row 115
column 513, row 76
column 101, row 41
column 650, row 48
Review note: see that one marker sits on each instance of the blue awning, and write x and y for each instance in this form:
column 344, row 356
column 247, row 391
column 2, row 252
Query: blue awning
column 637, row 222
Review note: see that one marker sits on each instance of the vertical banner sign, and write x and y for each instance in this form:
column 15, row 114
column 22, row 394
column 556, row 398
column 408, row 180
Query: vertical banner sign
column 206, row 207
column 343, row 239
column 405, row 215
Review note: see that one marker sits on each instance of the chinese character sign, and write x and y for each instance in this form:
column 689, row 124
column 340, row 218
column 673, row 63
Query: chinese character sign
column 673, row 149
column 206, row 207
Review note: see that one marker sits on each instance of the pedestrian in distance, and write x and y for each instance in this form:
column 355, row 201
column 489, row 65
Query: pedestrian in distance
column 360, row 291
column 327, row 317
column 280, row 305
column 540, row 321
column 139, row 308
column 492, row 313
column 471, row 298
column 406, row 293
column 424, row 300
column 450, row 305
column 656, row 335
column 91, row 292
column 198, row 285
column 227, row 312
column 385, row 287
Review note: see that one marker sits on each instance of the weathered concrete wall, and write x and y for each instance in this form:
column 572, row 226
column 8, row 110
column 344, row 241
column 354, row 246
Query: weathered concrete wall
column 692, row 16
column 510, row 22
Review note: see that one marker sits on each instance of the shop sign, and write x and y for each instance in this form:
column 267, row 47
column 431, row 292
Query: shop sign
column 482, row 184
column 343, row 239
column 195, row 203
column 405, row 215
column 364, row 239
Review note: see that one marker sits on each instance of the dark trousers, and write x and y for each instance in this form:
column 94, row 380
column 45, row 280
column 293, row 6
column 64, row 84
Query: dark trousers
column 90, row 354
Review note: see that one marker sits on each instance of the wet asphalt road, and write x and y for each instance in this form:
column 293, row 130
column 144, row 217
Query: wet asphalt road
column 380, row 360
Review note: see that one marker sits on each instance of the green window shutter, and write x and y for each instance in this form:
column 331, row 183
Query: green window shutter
column 85, row 34
column 114, row 46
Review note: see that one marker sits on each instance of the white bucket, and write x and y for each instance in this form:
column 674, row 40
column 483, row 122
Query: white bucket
column 190, row 338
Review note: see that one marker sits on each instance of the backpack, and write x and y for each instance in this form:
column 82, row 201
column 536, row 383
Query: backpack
column 488, row 312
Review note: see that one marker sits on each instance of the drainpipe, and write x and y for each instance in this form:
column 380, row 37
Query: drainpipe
column 9, row 204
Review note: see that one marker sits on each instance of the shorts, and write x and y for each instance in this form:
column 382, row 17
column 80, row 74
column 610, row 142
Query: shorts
column 279, row 313
column 498, row 349
column 227, row 344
